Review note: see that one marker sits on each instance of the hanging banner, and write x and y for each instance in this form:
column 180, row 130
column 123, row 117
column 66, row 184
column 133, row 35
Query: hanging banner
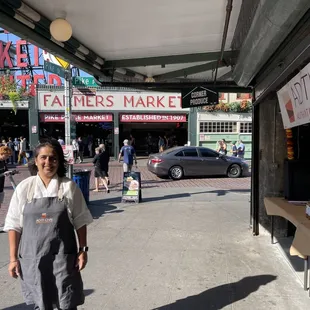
column 294, row 99
column 199, row 96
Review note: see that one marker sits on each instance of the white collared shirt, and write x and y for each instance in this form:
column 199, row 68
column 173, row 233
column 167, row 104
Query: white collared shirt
column 78, row 211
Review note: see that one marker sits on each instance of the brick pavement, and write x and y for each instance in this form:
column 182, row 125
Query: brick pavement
column 149, row 180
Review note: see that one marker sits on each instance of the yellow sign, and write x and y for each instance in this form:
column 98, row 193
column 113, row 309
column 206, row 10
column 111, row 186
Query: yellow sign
column 62, row 62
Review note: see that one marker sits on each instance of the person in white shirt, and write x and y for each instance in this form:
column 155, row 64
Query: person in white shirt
column 44, row 213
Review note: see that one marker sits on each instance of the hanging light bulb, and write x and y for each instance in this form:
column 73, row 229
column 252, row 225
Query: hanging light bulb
column 61, row 30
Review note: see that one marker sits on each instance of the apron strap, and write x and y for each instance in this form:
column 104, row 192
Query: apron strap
column 60, row 190
column 31, row 188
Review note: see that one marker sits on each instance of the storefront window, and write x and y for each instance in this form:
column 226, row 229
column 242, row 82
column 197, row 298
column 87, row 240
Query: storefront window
column 218, row 126
column 246, row 127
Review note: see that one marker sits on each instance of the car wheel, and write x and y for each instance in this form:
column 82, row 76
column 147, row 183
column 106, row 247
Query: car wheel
column 234, row 171
column 176, row 172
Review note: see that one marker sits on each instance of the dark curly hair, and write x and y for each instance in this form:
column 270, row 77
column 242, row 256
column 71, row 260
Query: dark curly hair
column 54, row 144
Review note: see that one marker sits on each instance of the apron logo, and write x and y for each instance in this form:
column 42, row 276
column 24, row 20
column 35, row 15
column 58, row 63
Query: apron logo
column 44, row 219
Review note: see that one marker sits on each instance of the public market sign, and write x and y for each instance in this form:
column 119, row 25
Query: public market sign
column 19, row 59
column 153, row 118
column 199, row 96
column 107, row 101
column 294, row 99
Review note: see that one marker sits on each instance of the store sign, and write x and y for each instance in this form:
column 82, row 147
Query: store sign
column 199, row 96
column 85, row 117
column 153, row 118
column 294, row 99
column 100, row 101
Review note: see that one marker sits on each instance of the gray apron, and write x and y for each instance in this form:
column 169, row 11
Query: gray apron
column 48, row 253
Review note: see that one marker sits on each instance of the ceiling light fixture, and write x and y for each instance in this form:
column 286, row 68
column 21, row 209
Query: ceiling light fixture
column 61, row 30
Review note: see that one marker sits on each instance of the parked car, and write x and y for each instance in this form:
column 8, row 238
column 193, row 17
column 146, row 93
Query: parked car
column 188, row 161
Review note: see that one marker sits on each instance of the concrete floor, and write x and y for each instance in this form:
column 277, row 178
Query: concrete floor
column 182, row 248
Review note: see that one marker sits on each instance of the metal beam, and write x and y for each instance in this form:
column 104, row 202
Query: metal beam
column 166, row 60
column 224, row 87
column 187, row 71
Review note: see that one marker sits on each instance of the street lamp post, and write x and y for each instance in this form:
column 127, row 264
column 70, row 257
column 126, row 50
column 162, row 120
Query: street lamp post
column 68, row 96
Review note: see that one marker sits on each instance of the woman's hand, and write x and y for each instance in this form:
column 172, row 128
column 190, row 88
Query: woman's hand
column 81, row 260
column 14, row 269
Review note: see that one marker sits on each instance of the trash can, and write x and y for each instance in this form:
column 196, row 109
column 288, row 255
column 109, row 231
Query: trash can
column 82, row 178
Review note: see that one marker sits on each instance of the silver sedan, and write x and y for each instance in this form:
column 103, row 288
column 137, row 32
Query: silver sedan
column 188, row 161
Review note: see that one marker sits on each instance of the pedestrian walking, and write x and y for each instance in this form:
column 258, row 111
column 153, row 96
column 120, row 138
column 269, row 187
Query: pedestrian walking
column 161, row 144
column 81, row 149
column 45, row 212
column 16, row 149
column 240, row 149
column 75, row 148
column 233, row 150
column 129, row 154
column 5, row 153
column 10, row 144
column 22, row 150
column 101, row 163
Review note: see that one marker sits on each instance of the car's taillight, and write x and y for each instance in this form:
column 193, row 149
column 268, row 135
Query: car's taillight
column 156, row 160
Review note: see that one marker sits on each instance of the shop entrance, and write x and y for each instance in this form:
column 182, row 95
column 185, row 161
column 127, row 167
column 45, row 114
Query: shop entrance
column 52, row 126
column 176, row 133
column 14, row 125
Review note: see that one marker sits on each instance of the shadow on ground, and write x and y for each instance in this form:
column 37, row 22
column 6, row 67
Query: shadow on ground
column 100, row 207
column 221, row 296
column 25, row 307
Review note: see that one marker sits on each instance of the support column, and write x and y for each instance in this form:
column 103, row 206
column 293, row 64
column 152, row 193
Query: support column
column 33, row 121
column 116, row 135
column 192, row 126
column 271, row 155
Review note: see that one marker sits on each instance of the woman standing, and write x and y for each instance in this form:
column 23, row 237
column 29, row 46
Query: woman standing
column 75, row 148
column 161, row 144
column 45, row 212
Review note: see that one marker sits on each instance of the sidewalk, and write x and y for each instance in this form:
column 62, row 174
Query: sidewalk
column 182, row 249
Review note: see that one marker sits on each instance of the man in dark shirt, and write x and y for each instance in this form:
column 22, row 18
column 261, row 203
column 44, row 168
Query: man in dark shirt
column 101, row 163
column 5, row 153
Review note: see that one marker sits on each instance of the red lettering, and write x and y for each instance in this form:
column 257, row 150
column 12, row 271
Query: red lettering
column 36, row 56
column 159, row 103
column 110, row 100
column 130, row 101
column 23, row 79
column 180, row 101
column 56, row 100
column 54, row 77
column 171, row 105
column 78, row 100
column 38, row 77
column 150, row 101
column 99, row 100
column 88, row 101
column 21, row 57
column 140, row 102
column 4, row 55
column 45, row 99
